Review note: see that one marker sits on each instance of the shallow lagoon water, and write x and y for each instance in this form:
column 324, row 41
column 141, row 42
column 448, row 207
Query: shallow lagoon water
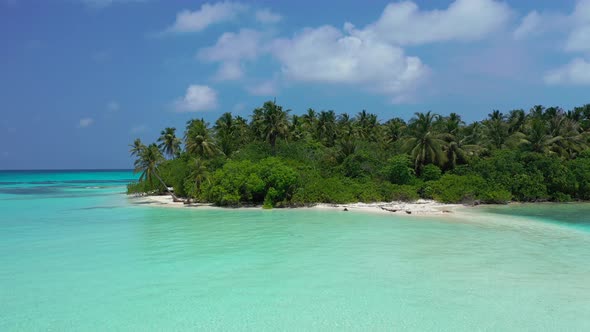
column 77, row 255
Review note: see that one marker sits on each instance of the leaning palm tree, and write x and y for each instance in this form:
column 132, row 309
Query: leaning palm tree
column 422, row 142
column 147, row 163
column 272, row 123
column 198, row 142
column 169, row 143
column 136, row 147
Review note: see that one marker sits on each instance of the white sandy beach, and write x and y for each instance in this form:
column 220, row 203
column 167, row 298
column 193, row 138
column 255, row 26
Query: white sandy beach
column 419, row 207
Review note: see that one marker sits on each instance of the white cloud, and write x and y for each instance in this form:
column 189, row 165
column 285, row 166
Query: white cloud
column 267, row 16
column 529, row 25
column 266, row 88
column 328, row 55
column 113, row 106
column 577, row 72
column 403, row 23
column 229, row 71
column 85, row 122
column 197, row 98
column 579, row 38
column 208, row 14
column 230, row 49
column 369, row 57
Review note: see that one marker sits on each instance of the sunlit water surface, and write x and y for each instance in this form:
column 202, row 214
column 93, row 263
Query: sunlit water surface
column 77, row 255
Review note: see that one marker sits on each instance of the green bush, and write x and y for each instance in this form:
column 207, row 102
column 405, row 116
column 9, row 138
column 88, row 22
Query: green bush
column 243, row 182
column 431, row 172
column 399, row 170
column 405, row 193
column 452, row 188
column 499, row 196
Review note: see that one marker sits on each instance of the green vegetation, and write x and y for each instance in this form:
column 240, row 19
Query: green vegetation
column 280, row 159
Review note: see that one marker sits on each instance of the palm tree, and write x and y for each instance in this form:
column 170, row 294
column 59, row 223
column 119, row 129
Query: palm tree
column 537, row 137
column 326, row 128
column 225, row 132
column 136, row 147
column 147, row 163
column 394, row 130
column 198, row 142
column 272, row 123
column 309, row 119
column 474, row 133
column 423, row 143
column 572, row 139
column 199, row 173
column 297, row 128
column 367, row 126
column 451, row 124
column 169, row 143
column 516, row 121
column 537, row 111
column 456, row 148
column 496, row 130
column 345, row 126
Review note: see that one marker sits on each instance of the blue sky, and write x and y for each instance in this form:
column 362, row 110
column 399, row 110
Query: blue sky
column 80, row 79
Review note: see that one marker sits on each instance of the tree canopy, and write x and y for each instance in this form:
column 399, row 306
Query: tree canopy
column 277, row 158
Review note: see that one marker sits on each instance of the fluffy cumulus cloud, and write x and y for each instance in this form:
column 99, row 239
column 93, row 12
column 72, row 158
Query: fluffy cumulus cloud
column 371, row 57
column 85, row 122
column 267, row 16
column 208, row 14
column 327, row 54
column 577, row 72
column 403, row 23
column 575, row 26
column 197, row 98
column 230, row 49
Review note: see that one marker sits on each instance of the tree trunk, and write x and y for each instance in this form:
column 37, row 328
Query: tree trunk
column 174, row 198
column 273, row 143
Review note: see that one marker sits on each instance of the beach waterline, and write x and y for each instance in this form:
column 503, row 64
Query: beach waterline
column 88, row 259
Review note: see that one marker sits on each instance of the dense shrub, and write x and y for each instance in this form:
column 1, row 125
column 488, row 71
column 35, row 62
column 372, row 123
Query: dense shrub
column 244, row 182
column 399, row 170
column 431, row 172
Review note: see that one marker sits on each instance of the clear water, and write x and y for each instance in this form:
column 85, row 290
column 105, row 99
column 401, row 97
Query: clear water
column 77, row 255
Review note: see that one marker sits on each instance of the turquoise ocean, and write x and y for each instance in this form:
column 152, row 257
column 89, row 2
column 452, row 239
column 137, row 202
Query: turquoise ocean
column 76, row 254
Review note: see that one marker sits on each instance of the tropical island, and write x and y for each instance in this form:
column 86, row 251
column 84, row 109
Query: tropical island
column 279, row 159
